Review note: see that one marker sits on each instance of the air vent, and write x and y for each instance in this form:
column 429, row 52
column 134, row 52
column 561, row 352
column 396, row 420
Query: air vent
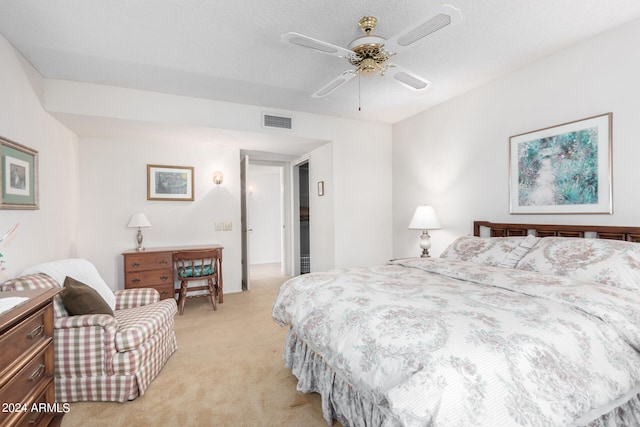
column 270, row 121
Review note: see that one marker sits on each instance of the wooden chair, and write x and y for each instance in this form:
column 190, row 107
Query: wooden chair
column 197, row 266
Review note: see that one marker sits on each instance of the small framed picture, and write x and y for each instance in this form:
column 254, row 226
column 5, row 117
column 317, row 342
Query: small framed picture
column 320, row 188
column 169, row 182
column 19, row 176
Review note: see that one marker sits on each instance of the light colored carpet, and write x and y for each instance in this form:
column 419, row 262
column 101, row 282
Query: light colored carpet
column 228, row 371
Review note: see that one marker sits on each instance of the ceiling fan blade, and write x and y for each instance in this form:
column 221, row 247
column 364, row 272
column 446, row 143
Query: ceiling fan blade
column 334, row 84
column 444, row 17
column 407, row 78
column 304, row 41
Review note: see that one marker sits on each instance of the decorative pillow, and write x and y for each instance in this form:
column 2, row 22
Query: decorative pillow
column 609, row 262
column 79, row 299
column 483, row 250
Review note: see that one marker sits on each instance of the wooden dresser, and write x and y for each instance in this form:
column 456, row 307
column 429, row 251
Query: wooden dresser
column 153, row 268
column 27, row 391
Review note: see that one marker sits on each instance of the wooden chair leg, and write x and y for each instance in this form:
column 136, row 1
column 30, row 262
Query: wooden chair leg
column 212, row 293
column 183, row 296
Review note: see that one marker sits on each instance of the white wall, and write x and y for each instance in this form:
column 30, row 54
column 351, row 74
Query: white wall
column 265, row 214
column 321, row 231
column 114, row 187
column 455, row 156
column 362, row 178
column 49, row 232
column 360, row 157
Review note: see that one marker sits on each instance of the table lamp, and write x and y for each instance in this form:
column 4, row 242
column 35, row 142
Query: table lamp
column 139, row 221
column 425, row 219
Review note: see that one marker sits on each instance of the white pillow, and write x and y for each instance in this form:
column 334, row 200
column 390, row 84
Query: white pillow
column 482, row 250
column 609, row 262
column 518, row 253
column 79, row 269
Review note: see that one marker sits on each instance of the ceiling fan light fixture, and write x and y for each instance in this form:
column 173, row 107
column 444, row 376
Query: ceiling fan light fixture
column 371, row 52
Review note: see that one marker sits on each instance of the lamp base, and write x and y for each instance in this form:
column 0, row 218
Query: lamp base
column 139, row 237
column 425, row 244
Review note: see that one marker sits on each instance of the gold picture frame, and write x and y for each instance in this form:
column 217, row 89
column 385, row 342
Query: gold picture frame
column 173, row 183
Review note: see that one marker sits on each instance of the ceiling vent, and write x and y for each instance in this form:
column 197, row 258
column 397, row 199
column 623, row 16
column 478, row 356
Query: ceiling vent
column 279, row 122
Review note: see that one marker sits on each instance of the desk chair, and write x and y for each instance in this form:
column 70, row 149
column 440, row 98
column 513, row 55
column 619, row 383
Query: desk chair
column 199, row 265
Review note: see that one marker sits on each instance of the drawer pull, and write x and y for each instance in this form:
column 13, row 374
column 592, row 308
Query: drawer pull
column 135, row 265
column 164, row 262
column 37, row 373
column 136, row 281
column 163, row 278
column 38, row 330
column 163, row 293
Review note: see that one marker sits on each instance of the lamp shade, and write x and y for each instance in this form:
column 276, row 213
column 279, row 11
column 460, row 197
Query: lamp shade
column 425, row 218
column 139, row 220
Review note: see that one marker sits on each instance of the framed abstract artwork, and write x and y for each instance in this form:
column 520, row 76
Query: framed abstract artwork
column 19, row 176
column 563, row 169
column 169, row 182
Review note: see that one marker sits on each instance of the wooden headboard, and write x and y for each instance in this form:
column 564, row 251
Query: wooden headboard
column 631, row 234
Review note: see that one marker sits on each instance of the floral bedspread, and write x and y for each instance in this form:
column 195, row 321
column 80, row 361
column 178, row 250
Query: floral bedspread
column 452, row 343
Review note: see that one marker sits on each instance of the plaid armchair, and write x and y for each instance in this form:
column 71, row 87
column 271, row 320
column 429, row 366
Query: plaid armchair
column 99, row 357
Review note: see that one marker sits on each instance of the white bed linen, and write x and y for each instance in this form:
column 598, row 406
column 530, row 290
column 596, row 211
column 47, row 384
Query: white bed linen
column 451, row 343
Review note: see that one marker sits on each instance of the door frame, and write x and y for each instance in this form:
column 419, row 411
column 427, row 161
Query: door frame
column 295, row 212
column 286, row 209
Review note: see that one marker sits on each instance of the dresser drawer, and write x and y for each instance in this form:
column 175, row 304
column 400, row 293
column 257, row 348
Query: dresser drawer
column 165, row 291
column 146, row 279
column 44, row 409
column 29, row 377
column 25, row 337
column 147, row 261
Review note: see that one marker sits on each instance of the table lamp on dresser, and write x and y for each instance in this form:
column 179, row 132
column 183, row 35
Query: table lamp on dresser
column 139, row 221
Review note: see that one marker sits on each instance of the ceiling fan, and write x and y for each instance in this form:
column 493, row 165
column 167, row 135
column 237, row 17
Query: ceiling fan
column 370, row 53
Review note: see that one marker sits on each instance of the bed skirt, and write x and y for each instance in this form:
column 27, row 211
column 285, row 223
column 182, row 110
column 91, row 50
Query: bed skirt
column 353, row 408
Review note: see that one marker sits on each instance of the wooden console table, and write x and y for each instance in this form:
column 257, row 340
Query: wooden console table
column 153, row 268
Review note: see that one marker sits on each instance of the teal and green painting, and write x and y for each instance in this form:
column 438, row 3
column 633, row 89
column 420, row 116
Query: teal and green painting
column 559, row 170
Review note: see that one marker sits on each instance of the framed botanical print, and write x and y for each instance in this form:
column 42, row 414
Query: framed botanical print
column 169, row 182
column 19, row 176
column 562, row 169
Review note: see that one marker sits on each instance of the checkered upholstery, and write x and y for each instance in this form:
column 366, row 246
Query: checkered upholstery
column 108, row 358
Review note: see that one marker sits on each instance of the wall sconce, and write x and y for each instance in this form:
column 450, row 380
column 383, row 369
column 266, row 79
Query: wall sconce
column 218, row 177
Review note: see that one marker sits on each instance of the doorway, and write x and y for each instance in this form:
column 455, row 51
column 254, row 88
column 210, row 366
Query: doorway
column 266, row 214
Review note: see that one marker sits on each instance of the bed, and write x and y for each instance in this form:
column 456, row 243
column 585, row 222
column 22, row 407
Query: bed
column 519, row 324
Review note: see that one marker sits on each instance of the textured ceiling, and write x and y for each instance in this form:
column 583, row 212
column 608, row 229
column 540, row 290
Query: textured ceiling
column 230, row 50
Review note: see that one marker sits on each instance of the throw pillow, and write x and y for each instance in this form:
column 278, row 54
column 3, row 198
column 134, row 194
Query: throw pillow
column 79, row 299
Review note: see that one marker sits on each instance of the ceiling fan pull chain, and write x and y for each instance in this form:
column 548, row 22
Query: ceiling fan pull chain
column 359, row 100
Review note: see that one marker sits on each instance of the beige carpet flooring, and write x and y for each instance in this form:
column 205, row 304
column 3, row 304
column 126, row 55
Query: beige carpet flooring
column 228, row 371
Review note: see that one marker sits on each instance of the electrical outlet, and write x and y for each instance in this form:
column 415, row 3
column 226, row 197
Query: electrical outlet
column 227, row 226
column 218, row 226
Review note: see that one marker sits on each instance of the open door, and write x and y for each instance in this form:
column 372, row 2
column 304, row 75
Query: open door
column 244, row 222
